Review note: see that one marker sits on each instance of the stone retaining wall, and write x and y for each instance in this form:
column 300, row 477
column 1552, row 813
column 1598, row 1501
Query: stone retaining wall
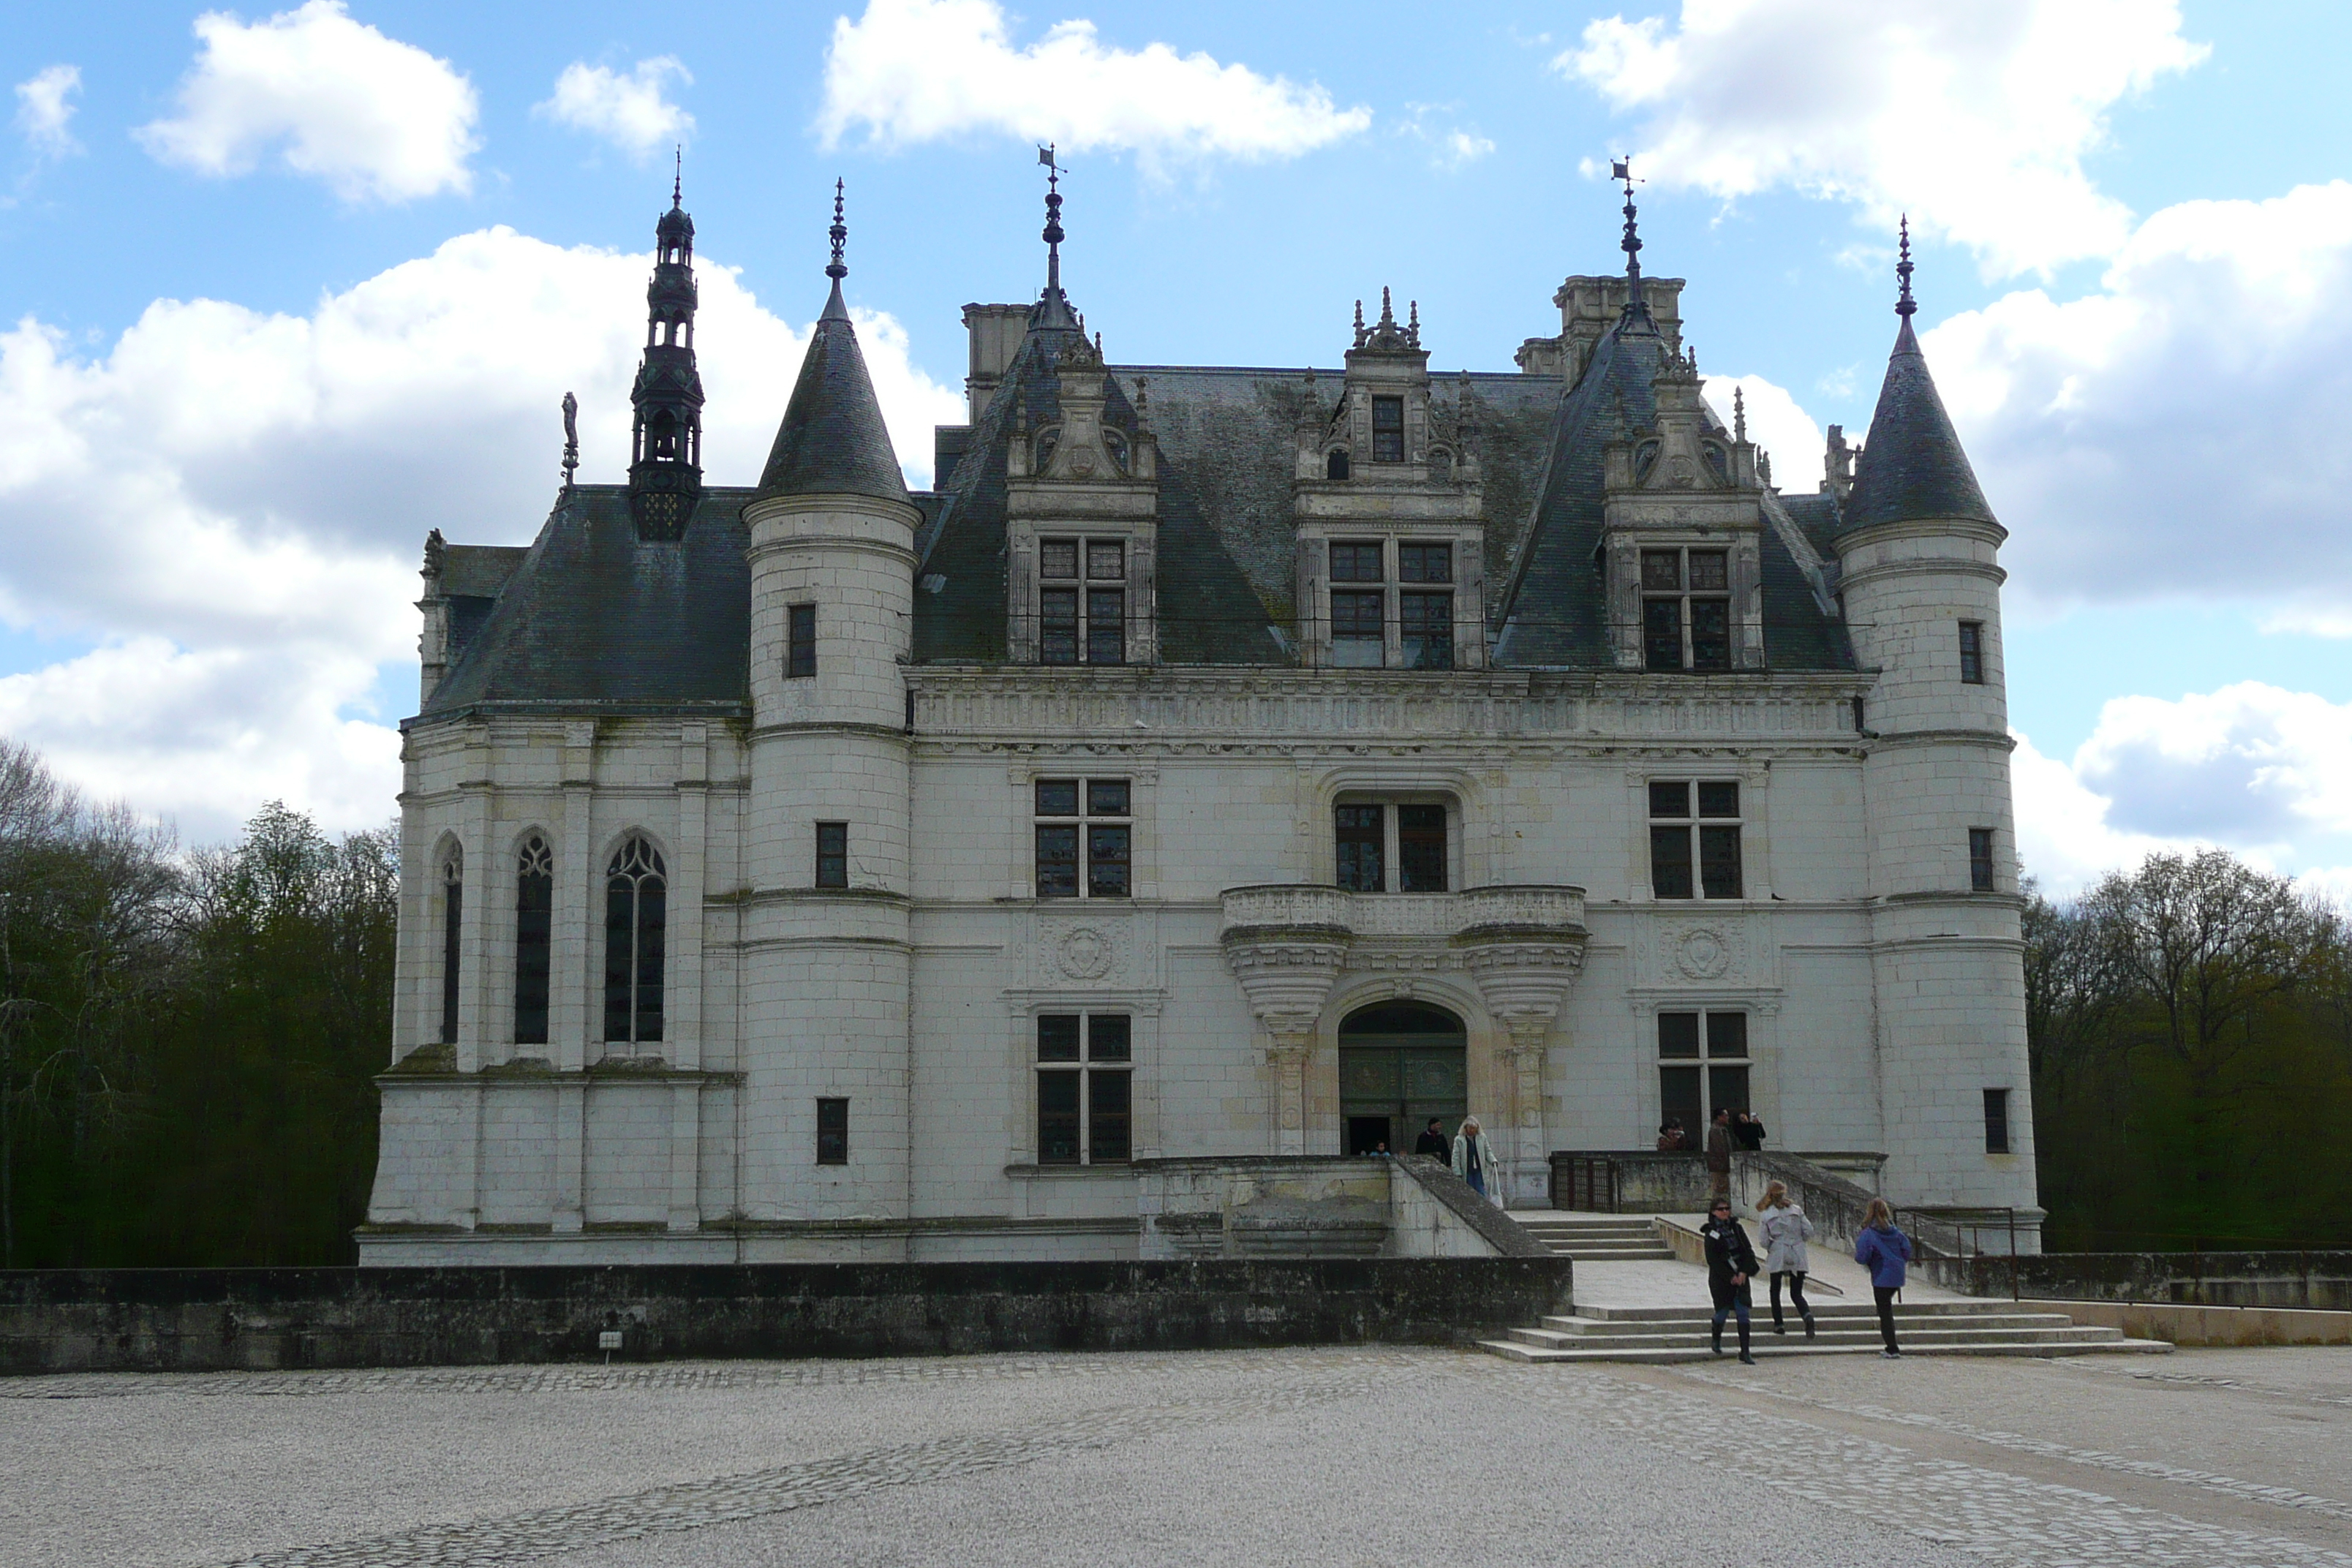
column 215, row 1320
column 2304, row 1280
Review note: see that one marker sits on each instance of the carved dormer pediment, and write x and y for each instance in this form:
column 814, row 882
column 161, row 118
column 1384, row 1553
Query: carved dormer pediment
column 1082, row 512
column 1683, row 532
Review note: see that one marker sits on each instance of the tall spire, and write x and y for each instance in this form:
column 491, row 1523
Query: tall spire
column 1637, row 310
column 832, row 441
column 1052, row 308
column 1904, row 305
column 666, row 440
column 1911, row 467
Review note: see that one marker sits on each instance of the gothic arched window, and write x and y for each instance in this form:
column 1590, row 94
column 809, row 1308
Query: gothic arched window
column 665, row 435
column 453, row 914
column 534, row 926
column 635, row 901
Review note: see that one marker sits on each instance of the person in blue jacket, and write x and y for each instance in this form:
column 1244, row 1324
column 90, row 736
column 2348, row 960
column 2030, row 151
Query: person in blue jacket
column 1883, row 1250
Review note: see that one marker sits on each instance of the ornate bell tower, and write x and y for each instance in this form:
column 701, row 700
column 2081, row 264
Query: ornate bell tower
column 666, row 444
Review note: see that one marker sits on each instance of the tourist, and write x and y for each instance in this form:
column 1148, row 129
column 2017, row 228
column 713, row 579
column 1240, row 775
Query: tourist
column 1473, row 1162
column 1883, row 1250
column 1432, row 1142
column 1718, row 1155
column 1730, row 1264
column 1672, row 1139
column 1748, row 1131
column 1785, row 1228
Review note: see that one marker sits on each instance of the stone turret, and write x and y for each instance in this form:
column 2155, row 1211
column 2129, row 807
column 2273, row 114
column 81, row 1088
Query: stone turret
column 1919, row 549
column 831, row 545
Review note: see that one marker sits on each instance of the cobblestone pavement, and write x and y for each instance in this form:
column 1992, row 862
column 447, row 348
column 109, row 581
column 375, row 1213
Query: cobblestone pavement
column 1228, row 1459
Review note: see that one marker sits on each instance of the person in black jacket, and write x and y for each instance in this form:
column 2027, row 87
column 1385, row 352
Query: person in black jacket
column 1432, row 1142
column 1730, row 1264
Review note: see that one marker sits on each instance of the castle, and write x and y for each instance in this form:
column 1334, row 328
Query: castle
column 1215, row 762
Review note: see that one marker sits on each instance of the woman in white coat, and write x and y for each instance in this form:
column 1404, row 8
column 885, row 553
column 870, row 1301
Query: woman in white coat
column 1473, row 1162
column 1785, row 1228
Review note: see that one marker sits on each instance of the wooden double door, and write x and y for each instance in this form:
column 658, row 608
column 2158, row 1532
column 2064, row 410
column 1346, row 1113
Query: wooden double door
column 1391, row 1085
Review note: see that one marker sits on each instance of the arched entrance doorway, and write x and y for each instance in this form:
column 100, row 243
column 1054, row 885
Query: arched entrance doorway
column 1400, row 1063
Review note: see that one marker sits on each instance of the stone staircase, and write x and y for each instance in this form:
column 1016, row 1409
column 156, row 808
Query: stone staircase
column 1927, row 1328
column 1599, row 1237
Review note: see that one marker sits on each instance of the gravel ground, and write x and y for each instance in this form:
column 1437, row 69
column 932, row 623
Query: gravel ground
column 1341, row 1455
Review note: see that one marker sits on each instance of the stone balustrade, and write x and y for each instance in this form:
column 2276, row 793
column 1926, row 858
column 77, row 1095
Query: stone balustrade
column 1303, row 911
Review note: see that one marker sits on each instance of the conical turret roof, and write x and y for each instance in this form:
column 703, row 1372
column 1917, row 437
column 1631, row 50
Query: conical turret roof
column 1912, row 465
column 833, row 440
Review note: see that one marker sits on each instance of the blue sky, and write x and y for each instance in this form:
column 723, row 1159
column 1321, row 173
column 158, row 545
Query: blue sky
column 283, row 290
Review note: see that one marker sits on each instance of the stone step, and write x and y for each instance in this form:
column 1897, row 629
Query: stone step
column 1699, row 1323
column 1654, row 1355
column 1555, row 1339
column 1867, row 1311
column 1606, row 1252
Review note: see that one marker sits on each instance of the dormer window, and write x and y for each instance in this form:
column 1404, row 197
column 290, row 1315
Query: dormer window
column 1388, row 430
column 1082, row 619
column 1685, row 609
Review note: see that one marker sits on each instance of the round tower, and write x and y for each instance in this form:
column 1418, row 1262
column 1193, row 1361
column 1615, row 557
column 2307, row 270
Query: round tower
column 825, row 1001
column 1920, row 577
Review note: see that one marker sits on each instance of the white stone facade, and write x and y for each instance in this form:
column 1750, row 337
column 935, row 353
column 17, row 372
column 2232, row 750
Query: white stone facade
column 1881, row 989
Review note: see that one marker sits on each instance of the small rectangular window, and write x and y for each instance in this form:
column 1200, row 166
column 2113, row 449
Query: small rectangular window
column 1362, row 838
column 1106, row 626
column 1996, row 1108
column 1718, row 862
column 1678, row 1034
column 1058, row 625
column 1085, row 854
column 1421, row 849
column 1426, row 630
column 1662, row 633
column 1670, row 862
column 1719, row 799
column 833, row 854
column 1980, row 859
column 1085, row 1089
column 1425, row 562
column 799, row 654
column 1057, row 558
column 1662, row 571
column 1356, row 562
column 1710, row 633
column 1356, row 640
column 1670, row 798
column 1388, row 430
column 1106, row 561
column 1710, row 571
column 1972, row 652
column 832, row 1132
column 1727, row 1035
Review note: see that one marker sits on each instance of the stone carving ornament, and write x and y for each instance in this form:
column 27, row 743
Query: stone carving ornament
column 1704, row 951
column 1085, row 953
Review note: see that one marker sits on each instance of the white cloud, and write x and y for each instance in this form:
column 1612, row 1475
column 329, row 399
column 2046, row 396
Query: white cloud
column 2261, row 771
column 919, row 71
column 631, row 110
column 375, row 118
column 1776, row 424
column 232, row 504
column 1975, row 118
column 43, row 114
column 2178, row 430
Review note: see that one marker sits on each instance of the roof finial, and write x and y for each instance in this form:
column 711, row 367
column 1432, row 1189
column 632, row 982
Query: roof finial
column 1738, row 414
column 1413, row 327
column 1360, row 323
column 1053, row 218
column 1622, row 169
column 1904, row 305
column 571, row 438
column 677, row 176
column 839, row 232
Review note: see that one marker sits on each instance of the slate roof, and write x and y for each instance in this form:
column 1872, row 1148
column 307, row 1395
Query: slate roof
column 1912, row 465
column 833, row 440
column 591, row 616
